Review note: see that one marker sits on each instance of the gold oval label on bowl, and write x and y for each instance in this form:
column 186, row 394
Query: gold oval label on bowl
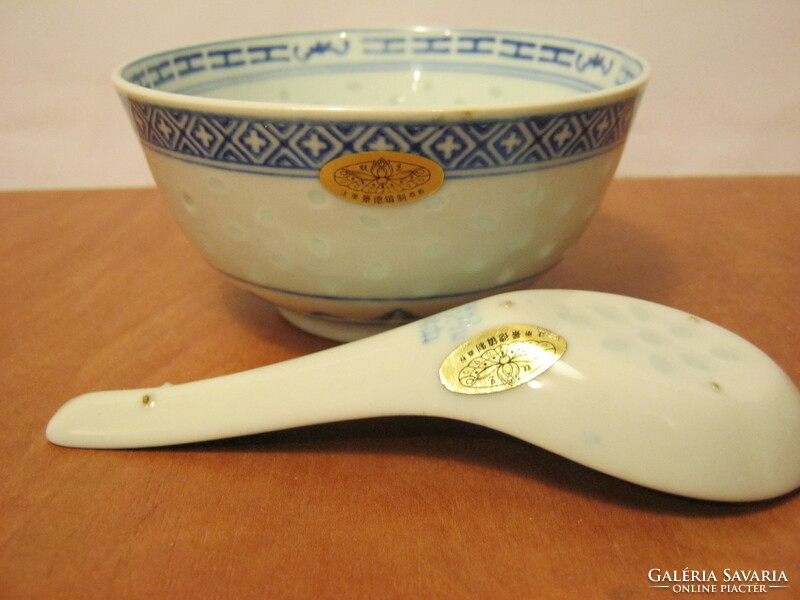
column 501, row 359
column 382, row 178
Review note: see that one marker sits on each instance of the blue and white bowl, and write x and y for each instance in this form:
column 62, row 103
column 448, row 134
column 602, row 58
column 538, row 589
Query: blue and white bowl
column 360, row 179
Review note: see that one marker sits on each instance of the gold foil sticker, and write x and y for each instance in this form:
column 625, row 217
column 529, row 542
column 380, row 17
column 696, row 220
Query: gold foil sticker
column 500, row 359
column 382, row 178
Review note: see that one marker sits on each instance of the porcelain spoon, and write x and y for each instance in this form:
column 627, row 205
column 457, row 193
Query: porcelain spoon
column 634, row 389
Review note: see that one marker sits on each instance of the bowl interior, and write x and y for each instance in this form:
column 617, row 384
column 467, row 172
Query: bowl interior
column 391, row 68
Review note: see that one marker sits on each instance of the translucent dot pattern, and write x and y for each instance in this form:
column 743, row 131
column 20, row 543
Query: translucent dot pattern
column 269, row 223
column 291, row 236
column 657, row 341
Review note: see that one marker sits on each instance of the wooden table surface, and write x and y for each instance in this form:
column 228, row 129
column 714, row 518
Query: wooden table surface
column 101, row 290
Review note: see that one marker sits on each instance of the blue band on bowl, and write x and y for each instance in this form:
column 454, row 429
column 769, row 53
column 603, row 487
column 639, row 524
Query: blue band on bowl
column 465, row 149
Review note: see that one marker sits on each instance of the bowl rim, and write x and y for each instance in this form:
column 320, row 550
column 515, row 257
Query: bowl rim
column 322, row 112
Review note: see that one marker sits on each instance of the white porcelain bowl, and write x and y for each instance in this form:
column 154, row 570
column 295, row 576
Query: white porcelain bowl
column 360, row 179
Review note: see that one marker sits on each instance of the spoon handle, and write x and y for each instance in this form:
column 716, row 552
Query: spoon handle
column 378, row 376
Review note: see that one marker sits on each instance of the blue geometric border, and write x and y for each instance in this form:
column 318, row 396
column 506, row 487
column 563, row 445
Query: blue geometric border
column 301, row 148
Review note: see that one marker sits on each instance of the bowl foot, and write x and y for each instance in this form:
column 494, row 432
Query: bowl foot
column 332, row 329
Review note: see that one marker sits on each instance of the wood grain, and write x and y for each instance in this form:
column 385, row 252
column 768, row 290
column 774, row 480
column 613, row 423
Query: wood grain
column 101, row 290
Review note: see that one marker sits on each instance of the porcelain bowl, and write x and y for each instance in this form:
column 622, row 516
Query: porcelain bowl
column 361, row 179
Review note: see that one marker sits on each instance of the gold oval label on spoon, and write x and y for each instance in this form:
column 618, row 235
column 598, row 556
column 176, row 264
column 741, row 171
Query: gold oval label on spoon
column 382, row 178
column 501, row 358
